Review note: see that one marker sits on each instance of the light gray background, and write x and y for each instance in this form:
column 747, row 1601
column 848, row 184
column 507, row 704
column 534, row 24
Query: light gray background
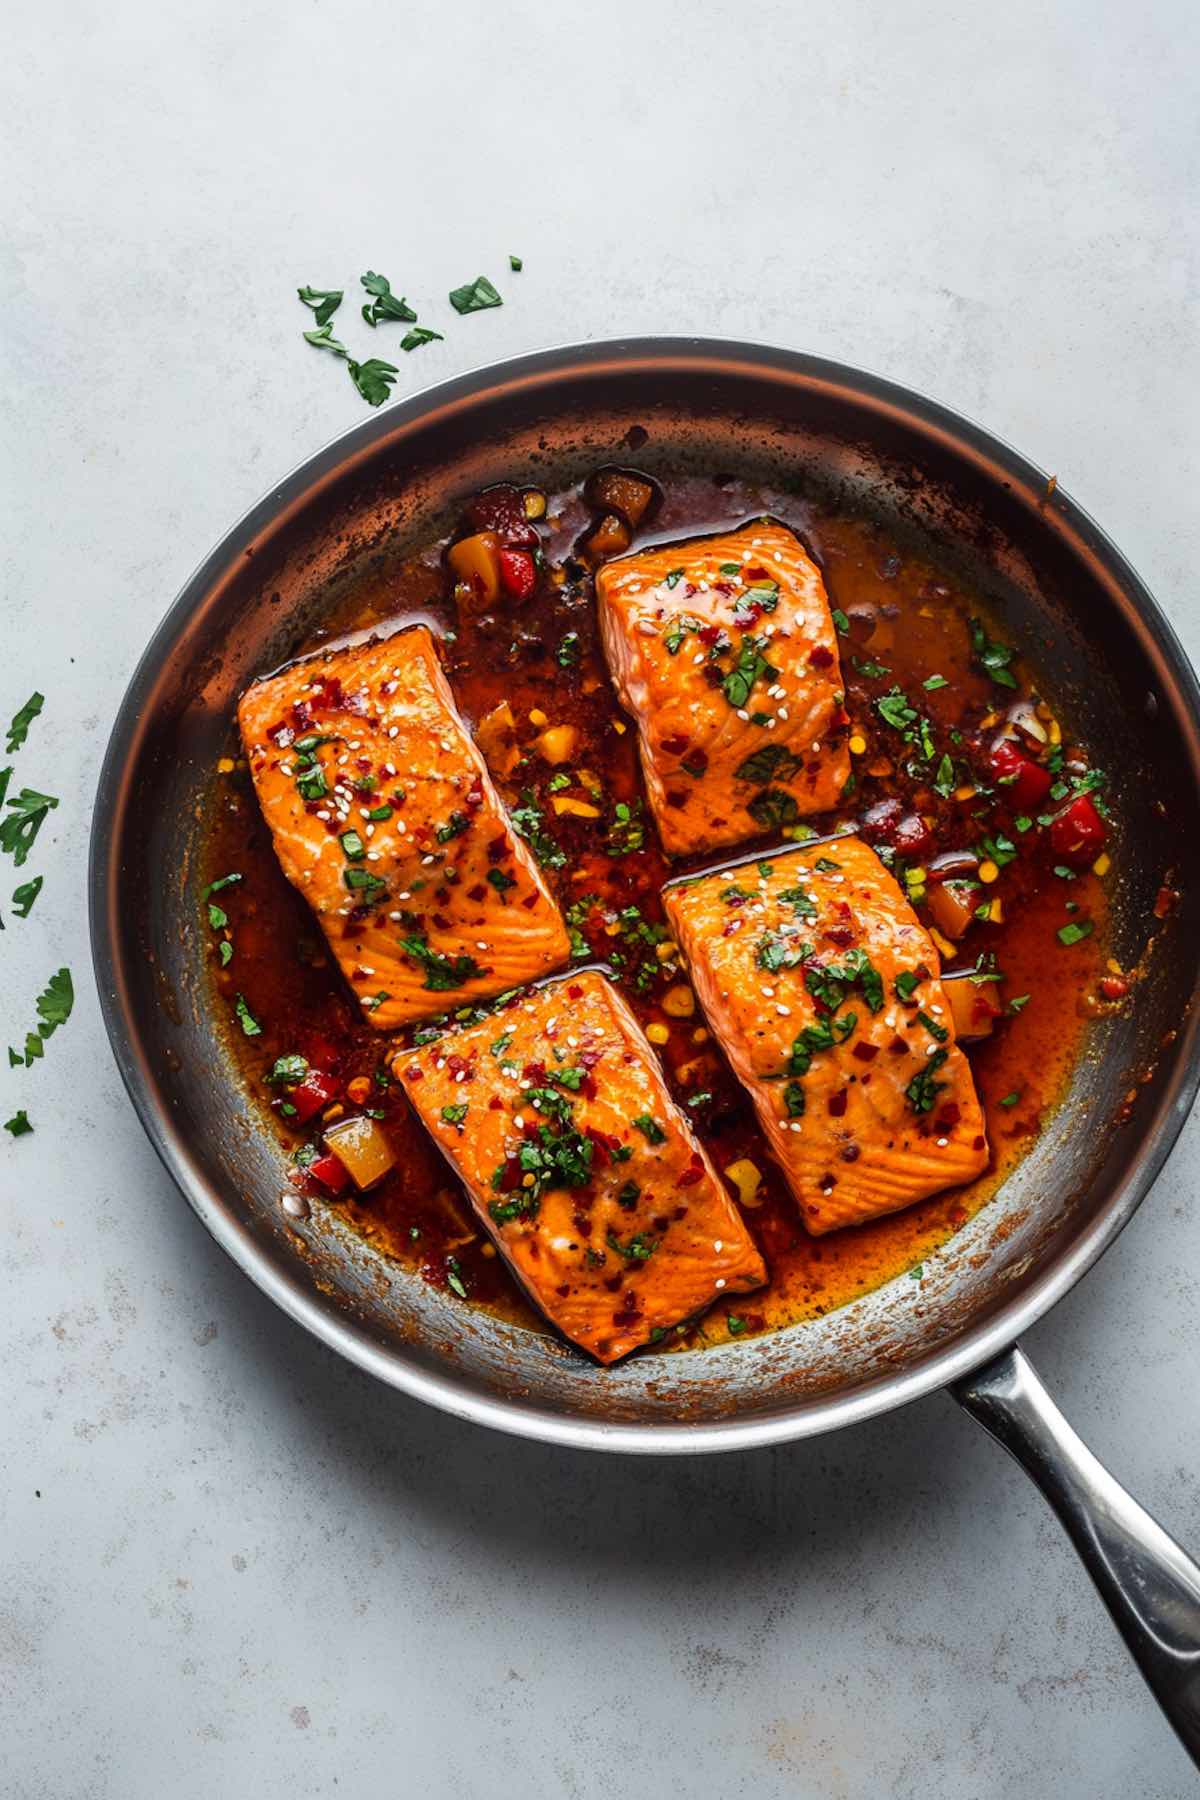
column 228, row 1565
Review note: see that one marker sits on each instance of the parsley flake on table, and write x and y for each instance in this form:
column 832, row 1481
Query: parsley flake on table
column 27, row 814
column 384, row 304
column 420, row 334
column 25, row 895
column 19, row 1124
column 475, row 296
column 54, row 1005
column 18, row 731
column 323, row 302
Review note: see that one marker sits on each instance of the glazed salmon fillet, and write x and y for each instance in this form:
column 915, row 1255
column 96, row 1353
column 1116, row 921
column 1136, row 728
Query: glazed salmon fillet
column 578, row 1162
column 825, row 990
column 385, row 818
column 724, row 651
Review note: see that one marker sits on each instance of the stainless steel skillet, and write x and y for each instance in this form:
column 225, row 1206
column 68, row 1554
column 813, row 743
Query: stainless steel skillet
column 1083, row 618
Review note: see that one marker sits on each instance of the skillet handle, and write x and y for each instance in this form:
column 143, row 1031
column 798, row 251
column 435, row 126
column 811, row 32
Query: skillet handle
column 1149, row 1585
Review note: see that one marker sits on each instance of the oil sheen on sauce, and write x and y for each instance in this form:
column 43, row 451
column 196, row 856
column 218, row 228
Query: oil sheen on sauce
column 918, row 628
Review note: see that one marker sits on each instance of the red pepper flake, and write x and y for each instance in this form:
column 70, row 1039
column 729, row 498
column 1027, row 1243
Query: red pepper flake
column 837, row 1103
column 692, row 1175
column 949, row 1116
column 497, row 848
column 897, row 1047
column 412, row 1073
column 1114, row 987
column 530, row 901
column 820, row 656
column 977, row 1143
column 676, row 744
column 574, row 992
column 865, row 1052
column 477, row 893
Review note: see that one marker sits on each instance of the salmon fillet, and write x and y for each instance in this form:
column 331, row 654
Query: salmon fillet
column 724, row 651
column 825, row 990
column 385, row 818
column 578, row 1162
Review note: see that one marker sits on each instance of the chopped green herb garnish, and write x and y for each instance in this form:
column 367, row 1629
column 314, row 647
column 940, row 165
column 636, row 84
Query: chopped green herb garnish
column 749, row 669
column 906, row 984
column 516, row 264
column 373, row 379
column 454, row 1280
column 933, row 682
column 943, row 780
column 500, row 881
column 475, row 296
column 288, row 1069
column 367, row 886
column 649, row 1128
column 1011, row 1099
column 894, row 709
column 1075, row 932
column 569, row 651
column 774, row 762
column 441, row 972
column 933, row 1028
column 840, row 621
column 1018, row 1002
column 454, row 827
column 628, row 1194
column 352, row 846
column 993, row 657
column 640, row 1247
column 418, row 335
column 1063, row 873
column 922, row 1091
column 454, row 1115
column 246, row 1019
column 530, row 822
column 27, row 814
column 734, row 1324
column 323, row 302
column 25, row 895
column 384, row 304
column 773, row 809
column 18, row 731
column 793, row 1099
column 19, row 1124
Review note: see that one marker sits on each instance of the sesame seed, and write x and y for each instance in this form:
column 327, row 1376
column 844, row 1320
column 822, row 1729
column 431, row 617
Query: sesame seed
column 785, row 1012
column 742, row 713
column 720, row 1281
column 942, row 1142
column 717, row 1244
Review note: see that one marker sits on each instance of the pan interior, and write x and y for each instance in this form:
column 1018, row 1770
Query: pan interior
column 933, row 481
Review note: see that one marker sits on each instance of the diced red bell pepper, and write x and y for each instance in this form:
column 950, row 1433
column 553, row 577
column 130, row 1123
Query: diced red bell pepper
column 330, row 1171
column 311, row 1094
column 1078, row 834
column 517, row 573
column 1025, row 782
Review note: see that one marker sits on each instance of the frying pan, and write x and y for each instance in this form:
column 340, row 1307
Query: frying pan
column 1081, row 615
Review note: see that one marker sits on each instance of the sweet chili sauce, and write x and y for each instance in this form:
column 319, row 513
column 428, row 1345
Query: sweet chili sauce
column 905, row 628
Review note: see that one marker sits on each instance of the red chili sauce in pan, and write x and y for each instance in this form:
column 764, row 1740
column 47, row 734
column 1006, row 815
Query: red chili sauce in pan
column 971, row 830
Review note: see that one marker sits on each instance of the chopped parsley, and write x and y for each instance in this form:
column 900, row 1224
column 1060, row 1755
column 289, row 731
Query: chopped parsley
column 894, row 709
column 454, row 1115
column 25, row 895
column 943, row 780
column 19, row 1124
column 288, row 1069
column 454, row 827
column 500, row 881
column 475, row 296
column 28, row 813
column 780, row 950
column 54, row 1005
column 369, row 887
column 906, row 984
column 998, row 849
column 516, row 264
column 749, row 669
column 1018, row 1003
column 829, row 982
column 933, row 682
column 793, row 1099
column 799, row 899
column 649, row 1128
column 773, row 808
column 18, row 731
column 933, row 1028
column 1075, row 932
column 323, row 302
column 352, row 846
column 822, row 1034
column 734, row 1324
column 249, row 1024
column 441, row 972
column 994, row 658
column 627, row 832
column 840, row 621
column 628, row 1194
column 569, row 651
column 215, row 887
column 922, row 1091
column 454, row 1280
column 1011, row 1099
column 384, row 304
column 640, row 1247
column 530, row 822
column 774, row 762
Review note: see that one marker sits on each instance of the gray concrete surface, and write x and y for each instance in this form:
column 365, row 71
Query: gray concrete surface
column 229, row 1566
